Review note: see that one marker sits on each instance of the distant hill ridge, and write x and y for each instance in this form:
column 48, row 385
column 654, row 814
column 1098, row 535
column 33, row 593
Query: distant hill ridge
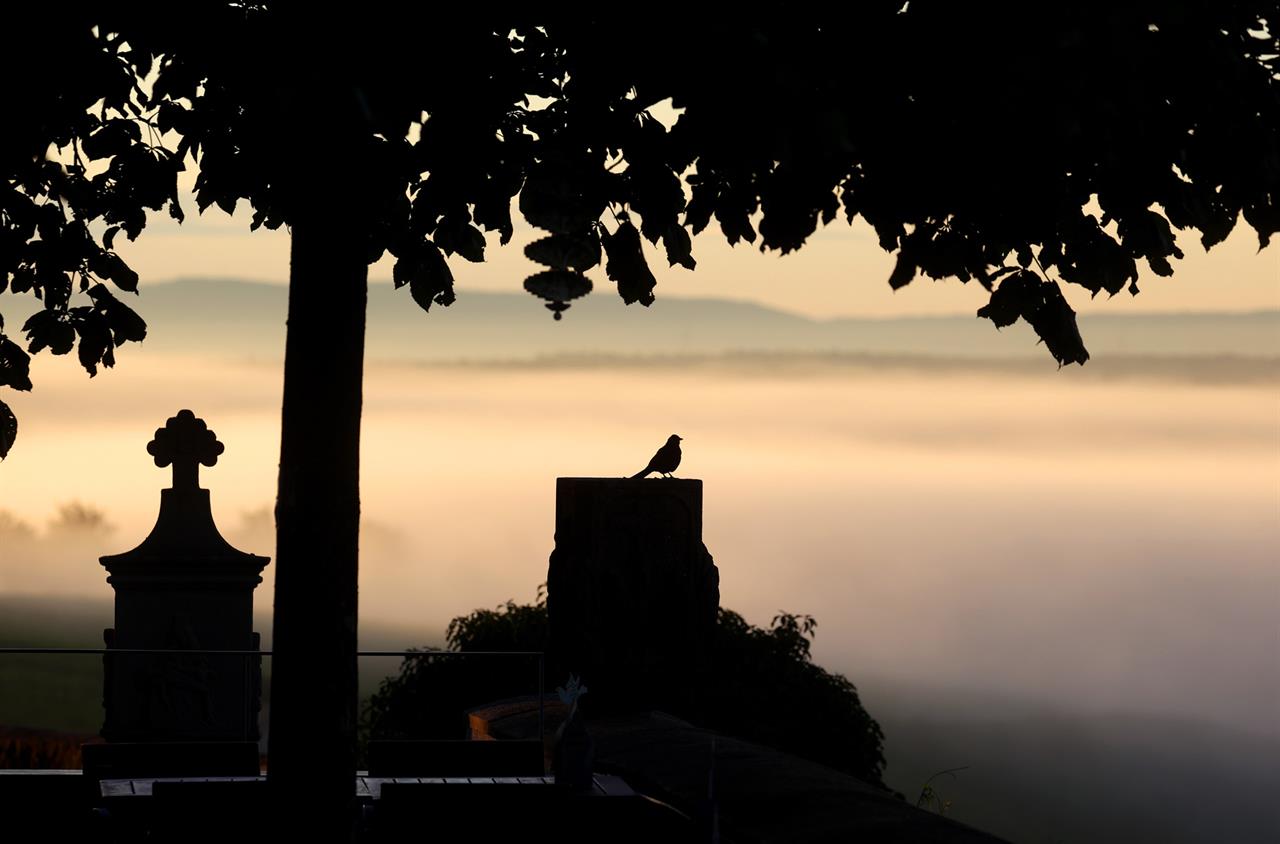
column 242, row 318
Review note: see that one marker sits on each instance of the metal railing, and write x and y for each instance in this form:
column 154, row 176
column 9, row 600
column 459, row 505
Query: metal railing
column 258, row 654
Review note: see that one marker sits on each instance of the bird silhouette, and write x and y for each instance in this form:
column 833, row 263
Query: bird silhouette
column 665, row 460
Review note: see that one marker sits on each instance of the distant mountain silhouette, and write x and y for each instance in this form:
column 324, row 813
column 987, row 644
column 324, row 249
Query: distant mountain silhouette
column 245, row 319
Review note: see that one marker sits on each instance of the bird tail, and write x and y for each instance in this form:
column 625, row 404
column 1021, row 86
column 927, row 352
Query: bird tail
column 638, row 475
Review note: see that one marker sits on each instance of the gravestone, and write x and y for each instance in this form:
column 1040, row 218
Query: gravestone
column 184, row 588
column 632, row 592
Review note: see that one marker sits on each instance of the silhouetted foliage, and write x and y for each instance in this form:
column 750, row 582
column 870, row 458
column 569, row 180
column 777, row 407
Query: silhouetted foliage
column 762, row 685
column 765, row 687
column 76, row 519
column 431, row 695
column 510, row 627
column 965, row 138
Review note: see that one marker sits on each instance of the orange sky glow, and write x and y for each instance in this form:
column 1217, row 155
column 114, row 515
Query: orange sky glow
column 1059, row 534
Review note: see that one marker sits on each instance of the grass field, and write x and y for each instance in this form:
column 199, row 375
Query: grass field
column 61, row 693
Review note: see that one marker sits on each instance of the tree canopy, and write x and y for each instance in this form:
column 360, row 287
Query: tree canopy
column 1017, row 148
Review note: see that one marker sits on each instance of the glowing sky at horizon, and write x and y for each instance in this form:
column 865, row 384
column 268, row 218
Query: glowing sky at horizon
column 1107, row 544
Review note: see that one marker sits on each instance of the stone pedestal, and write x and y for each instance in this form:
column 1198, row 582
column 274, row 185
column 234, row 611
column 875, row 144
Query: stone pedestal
column 183, row 588
column 632, row 592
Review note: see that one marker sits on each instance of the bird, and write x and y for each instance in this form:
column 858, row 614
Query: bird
column 665, row 461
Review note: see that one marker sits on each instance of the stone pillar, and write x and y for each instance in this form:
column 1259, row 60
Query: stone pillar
column 632, row 592
column 183, row 588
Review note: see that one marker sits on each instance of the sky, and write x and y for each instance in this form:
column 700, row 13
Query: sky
column 1100, row 545
column 841, row 271
column 1033, row 533
column 1096, row 543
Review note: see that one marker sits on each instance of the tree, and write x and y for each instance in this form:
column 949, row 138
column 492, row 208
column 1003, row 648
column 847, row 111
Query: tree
column 981, row 146
column 762, row 686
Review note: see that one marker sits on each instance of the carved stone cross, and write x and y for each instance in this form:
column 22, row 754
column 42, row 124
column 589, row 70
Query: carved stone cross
column 185, row 442
column 183, row 588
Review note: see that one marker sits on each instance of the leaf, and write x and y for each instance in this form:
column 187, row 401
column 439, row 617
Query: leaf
column 988, row 280
column 95, row 341
column 656, row 194
column 1041, row 303
column 627, row 266
column 697, row 214
column 172, row 116
column 111, row 266
column 57, row 291
column 424, row 269
column 1160, row 265
column 735, row 222
column 679, row 247
column 493, row 211
column 904, row 271
column 125, row 324
column 1147, row 234
column 1091, row 258
column 8, row 430
column 22, row 279
column 15, row 365
column 1218, row 227
column 135, row 220
column 62, row 338
column 456, row 235
column 112, row 138
column 1006, row 303
column 48, row 329
column 109, row 236
column 1265, row 219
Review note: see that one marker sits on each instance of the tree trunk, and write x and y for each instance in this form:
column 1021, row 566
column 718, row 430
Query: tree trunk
column 313, row 672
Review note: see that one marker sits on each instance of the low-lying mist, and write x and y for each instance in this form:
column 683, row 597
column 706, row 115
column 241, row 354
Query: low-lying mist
column 1014, row 565
column 1106, row 543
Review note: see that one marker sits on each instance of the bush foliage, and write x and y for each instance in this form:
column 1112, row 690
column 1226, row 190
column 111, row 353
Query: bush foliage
column 763, row 686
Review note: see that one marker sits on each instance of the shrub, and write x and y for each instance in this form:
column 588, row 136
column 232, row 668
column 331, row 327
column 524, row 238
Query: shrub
column 763, row 686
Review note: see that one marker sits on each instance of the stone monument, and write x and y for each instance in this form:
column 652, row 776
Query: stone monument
column 632, row 592
column 183, row 588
